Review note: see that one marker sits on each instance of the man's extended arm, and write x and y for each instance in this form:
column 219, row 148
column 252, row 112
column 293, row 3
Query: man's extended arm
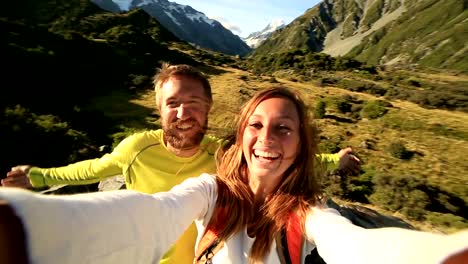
column 80, row 173
column 344, row 159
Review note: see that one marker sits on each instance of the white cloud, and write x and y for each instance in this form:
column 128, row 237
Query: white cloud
column 234, row 28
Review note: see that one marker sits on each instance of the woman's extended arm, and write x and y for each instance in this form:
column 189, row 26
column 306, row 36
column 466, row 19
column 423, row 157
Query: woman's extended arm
column 339, row 241
column 108, row 227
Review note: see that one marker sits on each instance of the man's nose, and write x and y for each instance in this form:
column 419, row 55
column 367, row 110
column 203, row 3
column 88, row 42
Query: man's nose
column 183, row 112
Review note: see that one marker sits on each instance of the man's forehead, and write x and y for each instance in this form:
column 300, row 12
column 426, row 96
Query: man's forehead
column 182, row 81
column 182, row 87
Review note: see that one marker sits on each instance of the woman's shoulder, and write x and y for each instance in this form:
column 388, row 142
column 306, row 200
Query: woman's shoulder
column 204, row 181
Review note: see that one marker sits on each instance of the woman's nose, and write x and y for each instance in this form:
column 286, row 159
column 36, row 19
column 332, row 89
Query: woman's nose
column 266, row 135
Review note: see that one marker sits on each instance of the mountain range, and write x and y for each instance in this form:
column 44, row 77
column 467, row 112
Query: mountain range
column 185, row 22
column 431, row 33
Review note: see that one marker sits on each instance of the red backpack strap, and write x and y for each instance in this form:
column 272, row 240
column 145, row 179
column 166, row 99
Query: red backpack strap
column 294, row 237
column 209, row 243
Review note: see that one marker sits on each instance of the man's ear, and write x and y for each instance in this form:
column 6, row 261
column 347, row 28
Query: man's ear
column 12, row 236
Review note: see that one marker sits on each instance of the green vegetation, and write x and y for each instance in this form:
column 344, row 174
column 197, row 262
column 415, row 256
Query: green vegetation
column 411, row 37
column 399, row 150
column 303, row 62
column 373, row 14
column 320, row 109
column 42, row 139
column 429, row 33
column 373, row 109
column 413, row 197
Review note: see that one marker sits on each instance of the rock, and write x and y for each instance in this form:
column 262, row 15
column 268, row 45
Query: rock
column 112, row 183
column 366, row 217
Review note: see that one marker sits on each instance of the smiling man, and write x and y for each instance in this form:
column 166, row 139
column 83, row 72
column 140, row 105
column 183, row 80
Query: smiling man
column 154, row 160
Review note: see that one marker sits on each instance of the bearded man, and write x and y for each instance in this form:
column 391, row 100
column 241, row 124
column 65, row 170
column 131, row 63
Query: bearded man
column 154, row 160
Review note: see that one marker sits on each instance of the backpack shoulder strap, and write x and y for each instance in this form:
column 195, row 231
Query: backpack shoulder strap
column 209, row 244
column 294, row 238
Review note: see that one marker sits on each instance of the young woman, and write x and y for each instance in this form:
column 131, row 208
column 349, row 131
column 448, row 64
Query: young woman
column 263, row 206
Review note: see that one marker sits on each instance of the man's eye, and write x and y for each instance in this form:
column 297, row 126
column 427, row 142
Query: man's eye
column 172, row 104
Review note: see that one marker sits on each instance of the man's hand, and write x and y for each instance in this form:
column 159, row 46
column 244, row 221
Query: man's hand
column 348, row 161
column 18, row 177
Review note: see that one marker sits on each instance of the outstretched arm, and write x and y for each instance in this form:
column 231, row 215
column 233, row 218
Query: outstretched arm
column 343, row 160
column 333, row 233
column 110, row 227
column 79, row 173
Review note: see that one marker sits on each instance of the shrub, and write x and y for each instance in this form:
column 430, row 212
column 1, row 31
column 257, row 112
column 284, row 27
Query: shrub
column 373, row 110
column 48, row 139
column 447, row 220
column 396, row 192
column 328, row 146
column 413, row 82
column 319, row 110
column 244, row 77
column 399, row 151
column 342, row 105
column 272, row 80
column 327, row 81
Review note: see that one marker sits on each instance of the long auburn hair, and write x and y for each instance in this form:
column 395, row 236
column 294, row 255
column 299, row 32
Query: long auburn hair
column 296, row 192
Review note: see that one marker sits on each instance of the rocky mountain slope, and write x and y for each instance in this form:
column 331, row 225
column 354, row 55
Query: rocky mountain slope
column 427, row 32
column 186, row 23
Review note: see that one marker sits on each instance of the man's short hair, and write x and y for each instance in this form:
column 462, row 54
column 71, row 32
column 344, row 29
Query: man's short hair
column 167, row 71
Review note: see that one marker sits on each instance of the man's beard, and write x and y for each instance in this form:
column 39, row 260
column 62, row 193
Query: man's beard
column 177, row 139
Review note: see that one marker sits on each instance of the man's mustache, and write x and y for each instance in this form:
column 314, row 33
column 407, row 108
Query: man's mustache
column 190, row 121
column 179, row 122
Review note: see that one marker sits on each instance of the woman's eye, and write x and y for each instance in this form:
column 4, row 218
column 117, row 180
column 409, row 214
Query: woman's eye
column 283, row 128
column 256, row 125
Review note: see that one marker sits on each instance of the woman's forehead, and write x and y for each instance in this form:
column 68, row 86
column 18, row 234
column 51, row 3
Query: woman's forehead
column 277, row 107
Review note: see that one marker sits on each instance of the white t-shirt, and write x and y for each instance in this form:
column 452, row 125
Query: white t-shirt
column 130, row 227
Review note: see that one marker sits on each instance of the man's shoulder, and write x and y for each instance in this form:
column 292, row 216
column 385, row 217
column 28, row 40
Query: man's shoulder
column 212, row 143
column 141, row 139
column 146, row 135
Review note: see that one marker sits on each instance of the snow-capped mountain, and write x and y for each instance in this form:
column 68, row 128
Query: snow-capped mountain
column 256, row 38
column 187, row 24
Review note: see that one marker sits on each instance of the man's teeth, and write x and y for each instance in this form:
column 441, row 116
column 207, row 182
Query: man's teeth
column 184, row 126
column 265, row 154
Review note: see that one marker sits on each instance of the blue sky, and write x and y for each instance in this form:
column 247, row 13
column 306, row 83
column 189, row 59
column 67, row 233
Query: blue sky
column 243, row 17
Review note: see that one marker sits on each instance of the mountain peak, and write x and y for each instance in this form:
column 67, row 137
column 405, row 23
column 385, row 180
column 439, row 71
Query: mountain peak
column 256, row 38
column 274, row 25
